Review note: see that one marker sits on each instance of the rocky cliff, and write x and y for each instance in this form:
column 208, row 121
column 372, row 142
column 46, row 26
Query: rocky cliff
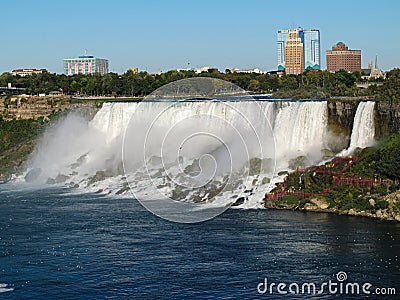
column 35, row 107
column 341, row 116
column 387, row 119
column 340, row 122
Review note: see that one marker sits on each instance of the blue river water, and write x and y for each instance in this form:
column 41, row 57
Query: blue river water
column 59, row 245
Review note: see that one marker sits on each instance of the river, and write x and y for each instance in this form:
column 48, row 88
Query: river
column 56, row 244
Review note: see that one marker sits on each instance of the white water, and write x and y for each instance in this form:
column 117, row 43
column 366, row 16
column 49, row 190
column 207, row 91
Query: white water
column 363, row 132
column 300, row 129
column 231, row 134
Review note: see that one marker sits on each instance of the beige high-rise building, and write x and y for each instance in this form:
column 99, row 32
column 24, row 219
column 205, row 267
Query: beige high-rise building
column 308, row 39
column 294, row 53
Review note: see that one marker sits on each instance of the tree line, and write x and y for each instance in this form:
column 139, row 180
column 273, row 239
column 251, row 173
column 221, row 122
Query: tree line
column 310, row 84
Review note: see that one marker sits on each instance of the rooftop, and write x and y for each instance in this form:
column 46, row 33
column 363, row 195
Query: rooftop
column 29, row 70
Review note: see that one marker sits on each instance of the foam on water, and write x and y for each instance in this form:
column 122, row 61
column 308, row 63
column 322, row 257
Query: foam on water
column 4, row 288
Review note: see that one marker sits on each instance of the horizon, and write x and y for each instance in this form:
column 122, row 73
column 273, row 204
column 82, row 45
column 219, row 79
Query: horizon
column 162, row 36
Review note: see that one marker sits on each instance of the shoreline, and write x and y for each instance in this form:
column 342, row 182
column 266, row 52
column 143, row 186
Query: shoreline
column 321, row 205
column 333, row 211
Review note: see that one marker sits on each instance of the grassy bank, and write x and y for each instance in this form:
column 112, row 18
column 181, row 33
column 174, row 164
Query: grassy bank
column 18, row 139
column 366, row 184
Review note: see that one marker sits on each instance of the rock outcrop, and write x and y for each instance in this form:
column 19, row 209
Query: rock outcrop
column 387, row 119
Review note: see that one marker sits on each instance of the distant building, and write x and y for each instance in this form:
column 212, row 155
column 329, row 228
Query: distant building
column 205, row 69
column 294, row 53
column 312, row 51
column 372, row 72
column 276, row 72
column 25, row 72
column 134, row 70
column 199, row 70
column 249, row 71
column 85, row 64
column 298, row 50
column 341, row 58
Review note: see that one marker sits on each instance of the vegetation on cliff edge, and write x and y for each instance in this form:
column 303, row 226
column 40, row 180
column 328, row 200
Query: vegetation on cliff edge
column 380, row 164
column 309, row 85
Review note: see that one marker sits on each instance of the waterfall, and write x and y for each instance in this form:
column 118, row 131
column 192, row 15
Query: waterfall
column 113, row 118
column 300, row 129
column 161, row 142
column 363, row 132
column 97, row 144
column 265, row 129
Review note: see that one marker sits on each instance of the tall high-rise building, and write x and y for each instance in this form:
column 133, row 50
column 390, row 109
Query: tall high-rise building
column 341, row 58
column 294, row 53
column 85, row 64
column 310, row 56
column 281, row 41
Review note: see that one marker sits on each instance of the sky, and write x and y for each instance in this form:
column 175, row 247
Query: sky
column 163, row 35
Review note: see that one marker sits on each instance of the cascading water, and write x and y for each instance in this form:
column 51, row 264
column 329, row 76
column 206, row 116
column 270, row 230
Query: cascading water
column 363, row 132
column 78, row 150
column 113, row 118
column 300, row 129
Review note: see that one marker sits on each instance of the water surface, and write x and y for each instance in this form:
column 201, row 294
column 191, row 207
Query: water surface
column 58, row 245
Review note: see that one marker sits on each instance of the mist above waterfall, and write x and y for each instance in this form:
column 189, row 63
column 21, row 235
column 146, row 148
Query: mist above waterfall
column 192, row 151
column 192, row 129
column 73, row 146
column 298, row 128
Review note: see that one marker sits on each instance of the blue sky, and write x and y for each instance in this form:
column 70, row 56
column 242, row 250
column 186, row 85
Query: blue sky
column 162, row 35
